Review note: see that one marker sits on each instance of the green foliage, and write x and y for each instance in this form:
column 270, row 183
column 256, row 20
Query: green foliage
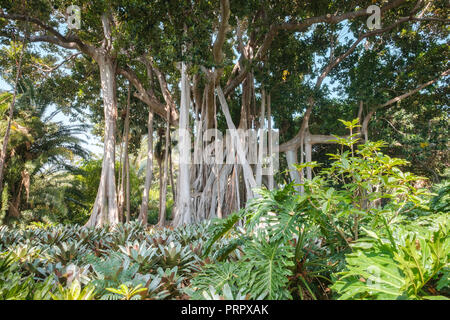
column 128, row 293
column 361, row 228
column 405, row 266
column 70, row 261
column 227, row 294
column 285, row 244
column 262, row 273
column 5, row 203
column 174, row 255
column 360, row 186
column 74, row 292
column 441, row 202
column 142, row 254
column 269, row 268
column 38, row 169
column 15, row 285
column 220, row 228
column 292, row 245
column 217, row 275
column 262, row 270
column 112, row 272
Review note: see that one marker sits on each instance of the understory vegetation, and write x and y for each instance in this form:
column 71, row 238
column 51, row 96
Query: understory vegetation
column 360, row 230
column 224, row 150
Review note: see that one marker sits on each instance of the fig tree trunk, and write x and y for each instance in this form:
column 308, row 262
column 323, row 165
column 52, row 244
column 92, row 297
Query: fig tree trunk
column 105, row 211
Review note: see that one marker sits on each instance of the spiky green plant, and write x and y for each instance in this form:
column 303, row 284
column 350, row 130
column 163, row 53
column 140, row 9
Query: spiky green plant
column 74, row 292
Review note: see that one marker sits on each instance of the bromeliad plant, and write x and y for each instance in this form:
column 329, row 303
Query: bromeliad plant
column 142, row 254
column 74, row 292
column 129, row 293
column 50, row 259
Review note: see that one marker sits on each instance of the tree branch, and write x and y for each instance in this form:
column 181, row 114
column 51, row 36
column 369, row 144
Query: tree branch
column 72, row 42
column 51, row 69
column 144, row 95
column 295, row 142
column 223, row 28
column 328, row 18
column 413, row 91
column 302, row 26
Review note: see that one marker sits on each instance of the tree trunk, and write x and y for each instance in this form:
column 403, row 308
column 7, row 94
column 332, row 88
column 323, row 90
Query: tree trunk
column 360, row 117
column 10, row 115
column 124, row 160
column 247, row 170
column 143, row 216
column 261, row 140
column 365, row 126
column 183, row 202
column 308, row 154
column 105, row 211
column 160, row 166
column 291, row 158
column 127, row 193
column 271, row 181
column 172, row 183
column 119, row 183
column 127, row 158
column 162, row 212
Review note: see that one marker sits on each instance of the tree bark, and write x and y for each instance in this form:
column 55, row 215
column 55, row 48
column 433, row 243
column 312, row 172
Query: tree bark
column 105, row 211
column 127, row 158
column 291, row 158
column 172, row 183
column 160, row 166
column 127, row 193
column 271, row 181
column 119, row 182
column 143, row 215
column 247, row 170
column 261, row 139
column 163, row 196
column 183, row 207
column 308, row 155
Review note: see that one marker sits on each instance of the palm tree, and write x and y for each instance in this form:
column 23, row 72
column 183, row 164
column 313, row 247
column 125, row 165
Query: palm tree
column 39, row 148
